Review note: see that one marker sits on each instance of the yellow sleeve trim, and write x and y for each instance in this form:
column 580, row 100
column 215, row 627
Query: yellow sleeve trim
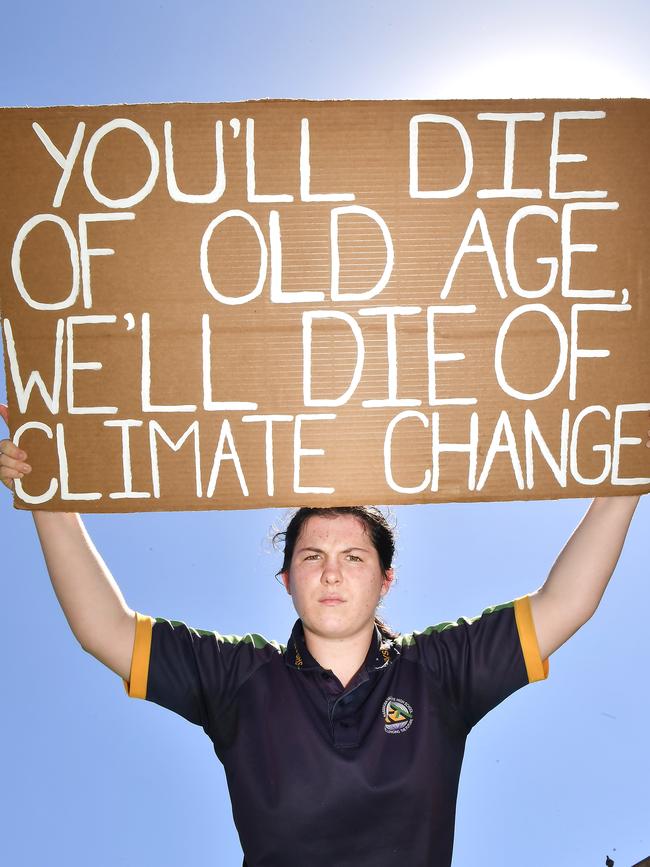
column 536, row 668
column 136, row 687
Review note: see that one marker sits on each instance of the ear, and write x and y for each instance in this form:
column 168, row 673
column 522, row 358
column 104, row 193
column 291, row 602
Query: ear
column 285, row 581
column 389, row 577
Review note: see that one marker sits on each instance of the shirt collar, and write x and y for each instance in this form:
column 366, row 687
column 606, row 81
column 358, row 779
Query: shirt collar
column 380, row 653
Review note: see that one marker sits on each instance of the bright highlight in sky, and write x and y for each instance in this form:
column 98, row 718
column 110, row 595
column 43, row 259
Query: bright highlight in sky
column 539, row 73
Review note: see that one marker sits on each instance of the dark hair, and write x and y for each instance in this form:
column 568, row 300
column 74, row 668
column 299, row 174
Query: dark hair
column 382, row 536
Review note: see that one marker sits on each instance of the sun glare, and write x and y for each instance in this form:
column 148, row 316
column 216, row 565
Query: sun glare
column 539, row 74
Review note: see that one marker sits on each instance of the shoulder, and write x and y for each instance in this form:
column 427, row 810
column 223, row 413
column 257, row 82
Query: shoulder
column 454, row 629
column 211, row 637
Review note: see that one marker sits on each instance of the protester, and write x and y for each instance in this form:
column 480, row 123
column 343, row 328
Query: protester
column 344, row 746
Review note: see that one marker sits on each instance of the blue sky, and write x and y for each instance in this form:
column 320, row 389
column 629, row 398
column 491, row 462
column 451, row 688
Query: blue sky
column 559, row 772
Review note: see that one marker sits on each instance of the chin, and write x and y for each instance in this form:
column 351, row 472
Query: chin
column 332, row 625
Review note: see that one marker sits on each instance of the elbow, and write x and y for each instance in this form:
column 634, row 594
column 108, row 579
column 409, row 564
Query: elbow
column 85, row 646
column 581, row 613
column 581, row 616
column 589, row 613
column 591, row 606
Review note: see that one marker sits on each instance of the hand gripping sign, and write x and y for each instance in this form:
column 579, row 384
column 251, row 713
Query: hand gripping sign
column 286, row 302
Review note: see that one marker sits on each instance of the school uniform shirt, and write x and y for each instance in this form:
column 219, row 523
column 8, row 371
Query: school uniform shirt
column 318, row 774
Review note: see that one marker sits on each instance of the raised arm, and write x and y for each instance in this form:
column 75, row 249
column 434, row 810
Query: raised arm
column 576, row 583
column 92, row 602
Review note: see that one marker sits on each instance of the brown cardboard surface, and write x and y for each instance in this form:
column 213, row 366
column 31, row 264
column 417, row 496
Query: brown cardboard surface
column 283, row 302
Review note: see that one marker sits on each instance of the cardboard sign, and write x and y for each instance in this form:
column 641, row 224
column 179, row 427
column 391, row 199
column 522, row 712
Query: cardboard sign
column 288, row 302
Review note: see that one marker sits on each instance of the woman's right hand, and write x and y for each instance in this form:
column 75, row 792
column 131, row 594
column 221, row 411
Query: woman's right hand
column 12, row 459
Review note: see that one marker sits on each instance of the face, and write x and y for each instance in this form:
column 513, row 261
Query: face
column 335, row 577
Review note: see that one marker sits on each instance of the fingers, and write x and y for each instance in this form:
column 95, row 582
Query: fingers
column 12, row 463
column 12, row 459
column 11, row 452
column 7, row 476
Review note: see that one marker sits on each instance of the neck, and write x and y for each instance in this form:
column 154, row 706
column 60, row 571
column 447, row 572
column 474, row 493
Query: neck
column 343, row 656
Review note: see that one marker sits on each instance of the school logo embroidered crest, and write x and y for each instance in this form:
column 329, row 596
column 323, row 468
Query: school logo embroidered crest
column 398, row 715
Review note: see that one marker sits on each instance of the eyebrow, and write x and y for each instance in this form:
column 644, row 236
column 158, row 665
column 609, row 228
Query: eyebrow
column 321, row 551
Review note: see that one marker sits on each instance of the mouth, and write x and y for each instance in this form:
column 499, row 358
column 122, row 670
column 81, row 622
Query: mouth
column 331, row 600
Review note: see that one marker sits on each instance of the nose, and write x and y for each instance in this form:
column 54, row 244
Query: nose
column 331, row 573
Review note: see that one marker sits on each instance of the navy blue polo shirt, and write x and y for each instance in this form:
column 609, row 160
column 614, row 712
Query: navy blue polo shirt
column 318, row 774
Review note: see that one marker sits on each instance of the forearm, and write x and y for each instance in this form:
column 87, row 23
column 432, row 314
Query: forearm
column 577, row 581
column 87, row 592
column 584, row 566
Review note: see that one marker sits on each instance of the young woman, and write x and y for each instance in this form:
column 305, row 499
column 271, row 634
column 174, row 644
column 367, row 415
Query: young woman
column 344, row 746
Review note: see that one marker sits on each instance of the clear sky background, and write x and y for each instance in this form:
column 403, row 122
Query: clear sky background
column 559, row 773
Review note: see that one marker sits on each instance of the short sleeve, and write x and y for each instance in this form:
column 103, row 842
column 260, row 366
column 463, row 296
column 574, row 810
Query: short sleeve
column 478, row 662
column 191, row 671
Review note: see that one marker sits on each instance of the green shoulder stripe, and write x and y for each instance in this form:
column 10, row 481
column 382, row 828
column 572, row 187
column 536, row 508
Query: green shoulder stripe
column 409, row 638
column 258, row 641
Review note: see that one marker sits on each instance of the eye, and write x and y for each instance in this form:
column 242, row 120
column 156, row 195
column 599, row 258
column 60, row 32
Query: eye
column 354, row 558
column 311, row 557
